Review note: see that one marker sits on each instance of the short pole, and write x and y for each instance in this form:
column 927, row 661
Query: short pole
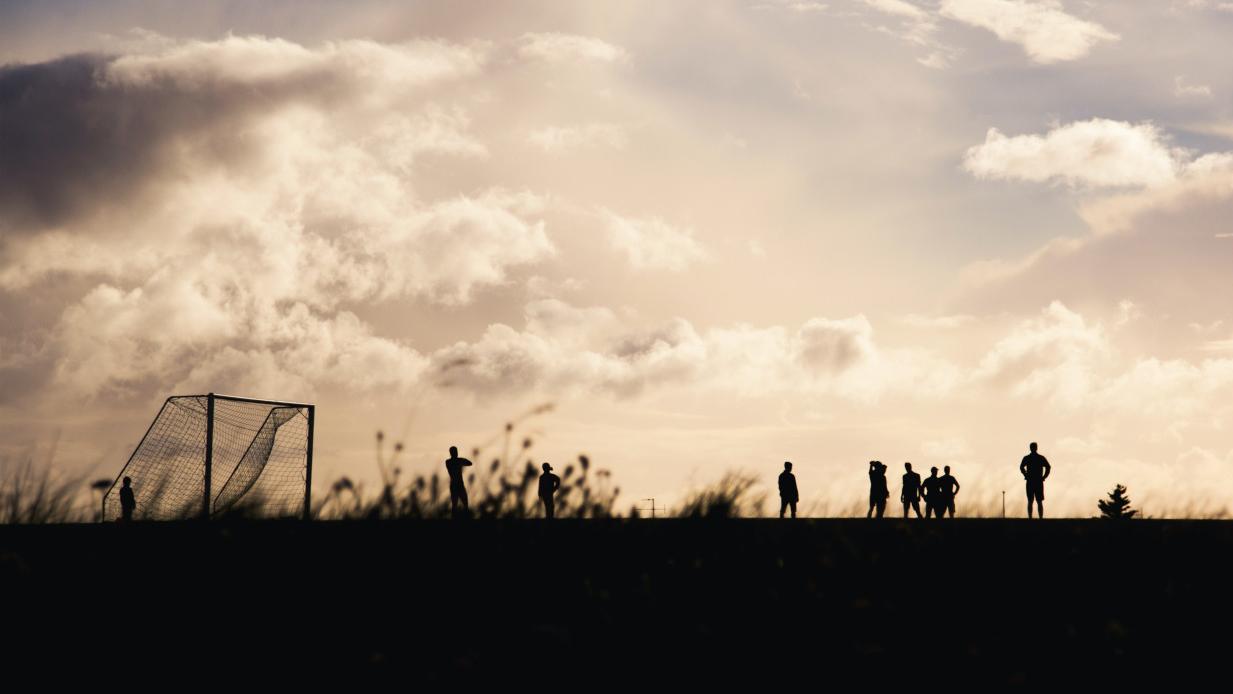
column 1003, row 503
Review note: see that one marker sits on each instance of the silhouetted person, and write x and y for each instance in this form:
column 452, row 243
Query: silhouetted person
column 948, row 487
column 932, row 494
column 128, row 500
column 458, row 486
column 1035, row 468
column 788, row 496
column 548, row 486
column 878, row 492
column 909, row 495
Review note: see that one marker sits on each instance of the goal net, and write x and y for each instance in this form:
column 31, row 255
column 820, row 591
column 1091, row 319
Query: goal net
column 214, row 454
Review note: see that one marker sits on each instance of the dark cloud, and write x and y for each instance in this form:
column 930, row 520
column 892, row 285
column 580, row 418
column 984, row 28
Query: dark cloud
column 73, row 139
column 68, row 142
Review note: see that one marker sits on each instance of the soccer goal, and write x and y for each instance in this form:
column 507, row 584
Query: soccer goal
column 211, row 454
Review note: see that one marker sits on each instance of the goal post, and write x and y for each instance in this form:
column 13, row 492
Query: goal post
column 208, row 455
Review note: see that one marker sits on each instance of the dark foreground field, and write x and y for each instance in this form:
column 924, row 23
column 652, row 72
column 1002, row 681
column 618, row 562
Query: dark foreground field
column 648, row 604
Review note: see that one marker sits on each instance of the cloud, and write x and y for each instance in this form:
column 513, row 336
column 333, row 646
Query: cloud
column 1181, row 89
column 652, row 244
column 566, row 349
column 916, row 26
column 899, row 8
column 798, row 6
column 558, row 139
column 222, row 203
column 1096, row 152
column 1043, row 28
column 1053, row 356
column 85, row 130
column 1157, row 247
column 1211, row 4
column 1170, row 395
column 559, row 48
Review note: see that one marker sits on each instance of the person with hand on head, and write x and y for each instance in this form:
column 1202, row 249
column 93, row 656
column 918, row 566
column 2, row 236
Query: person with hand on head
column 458, row 486
column 878, row 491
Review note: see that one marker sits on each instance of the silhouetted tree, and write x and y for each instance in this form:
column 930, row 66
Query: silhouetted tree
column 1117, row 505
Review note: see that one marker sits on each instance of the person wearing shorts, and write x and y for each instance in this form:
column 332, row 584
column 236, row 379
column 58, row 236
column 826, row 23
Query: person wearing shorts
column 1035, row 468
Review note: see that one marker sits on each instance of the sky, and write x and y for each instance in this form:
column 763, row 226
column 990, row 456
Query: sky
column 713, row 235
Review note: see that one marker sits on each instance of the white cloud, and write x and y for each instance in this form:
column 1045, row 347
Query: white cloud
column 557, row 47
column 1043, row 28
column 899, row 8
column 798, row 6
column 914, row 25
column 1054, row 356
column 652, row 243
column 1097, row 152
column 288, row 196
column 1127, row 313
column 1182, row 88
column 1157, row 247
column 1210, row 4
column 565, row 349
column 936, row 60
column 1167, row 390
column 590, row 136
column 1199, row 182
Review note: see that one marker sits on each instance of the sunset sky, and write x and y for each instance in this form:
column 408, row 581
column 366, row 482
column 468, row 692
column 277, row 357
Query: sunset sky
column 716, row 235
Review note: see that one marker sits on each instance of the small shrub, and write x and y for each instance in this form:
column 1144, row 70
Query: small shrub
column 1117, row 505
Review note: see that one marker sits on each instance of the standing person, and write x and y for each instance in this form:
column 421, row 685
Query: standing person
column 1035, row 469
column 548, row 486
column 878, row 492
column 948, row 488
column 909, row 494
column 788, row 496
column 458, row 486
column 932, row 498
column 128, row 501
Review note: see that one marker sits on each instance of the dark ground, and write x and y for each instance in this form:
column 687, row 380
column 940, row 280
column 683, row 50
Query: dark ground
column 595, row 604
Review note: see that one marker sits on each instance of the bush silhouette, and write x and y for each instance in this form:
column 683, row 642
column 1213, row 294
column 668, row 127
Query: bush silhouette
column 733, row 496
column 1117, row 505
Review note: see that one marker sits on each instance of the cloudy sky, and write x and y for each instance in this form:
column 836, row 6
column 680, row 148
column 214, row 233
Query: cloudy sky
column 716, row 235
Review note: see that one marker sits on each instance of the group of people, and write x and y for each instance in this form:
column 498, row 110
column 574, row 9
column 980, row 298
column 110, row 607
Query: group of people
column 549, row 483
column 938, row 492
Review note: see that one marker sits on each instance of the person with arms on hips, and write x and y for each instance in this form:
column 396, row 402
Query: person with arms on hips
column 932, row 495
column 909, row 494
column 1035, row 469
column 948, row 489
